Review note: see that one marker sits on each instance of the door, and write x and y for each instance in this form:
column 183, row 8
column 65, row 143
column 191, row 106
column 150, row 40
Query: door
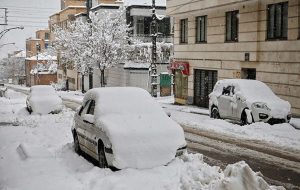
column 225, row 103
column 181, row 85
column 90, row 132
column 204, row 82
column 81, row 127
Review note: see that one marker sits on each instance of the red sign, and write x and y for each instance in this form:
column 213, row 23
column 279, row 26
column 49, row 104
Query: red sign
column 181, row 65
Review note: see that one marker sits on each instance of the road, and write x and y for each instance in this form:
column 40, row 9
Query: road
column 278, row 166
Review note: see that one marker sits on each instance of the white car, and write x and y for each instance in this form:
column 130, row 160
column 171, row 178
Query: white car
column 247, row 101
column 124, row 127
column 43, row 99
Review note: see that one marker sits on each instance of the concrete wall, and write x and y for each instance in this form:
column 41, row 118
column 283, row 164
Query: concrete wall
column 118, row 76
column 277, row 63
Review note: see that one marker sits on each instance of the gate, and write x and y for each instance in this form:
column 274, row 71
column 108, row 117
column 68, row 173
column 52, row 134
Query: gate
column 204, row 82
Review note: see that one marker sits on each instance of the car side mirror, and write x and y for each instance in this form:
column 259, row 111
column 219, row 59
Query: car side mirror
column 88, row 118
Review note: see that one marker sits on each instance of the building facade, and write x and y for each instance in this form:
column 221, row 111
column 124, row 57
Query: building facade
column 250, row 39
column 36, row 56
column 66, row 73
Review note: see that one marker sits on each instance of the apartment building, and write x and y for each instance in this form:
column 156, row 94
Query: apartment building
column 36, row 57
column 66, row 73
column 250, row 39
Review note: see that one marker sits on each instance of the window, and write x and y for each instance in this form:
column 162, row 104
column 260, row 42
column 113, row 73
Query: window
column 228, row 91
column 140, row 25
column 47, row 35
column 201, row 29
column 277, row 21
column 183, row 30
column 84, row 109
column 91, row 108
column 232, row 26
column 249, row 73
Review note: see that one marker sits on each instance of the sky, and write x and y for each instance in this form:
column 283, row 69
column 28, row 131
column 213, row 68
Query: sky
column 32, row 14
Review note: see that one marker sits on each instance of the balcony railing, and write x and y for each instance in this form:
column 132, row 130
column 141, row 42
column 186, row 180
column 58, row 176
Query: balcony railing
column 148, row 38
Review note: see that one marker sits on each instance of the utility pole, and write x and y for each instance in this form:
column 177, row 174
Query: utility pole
column 153, row 66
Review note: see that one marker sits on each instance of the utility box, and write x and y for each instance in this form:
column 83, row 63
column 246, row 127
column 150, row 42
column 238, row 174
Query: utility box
column 165, row 84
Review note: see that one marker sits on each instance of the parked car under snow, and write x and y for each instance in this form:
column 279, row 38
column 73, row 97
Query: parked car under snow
column 247, row 101
column 43, row 99
column 124, row 127
column 3, row 89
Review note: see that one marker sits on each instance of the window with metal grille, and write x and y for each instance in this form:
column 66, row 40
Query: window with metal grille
column 201, row 22
column 232, row 26
column 184, row 31
column 277, row 21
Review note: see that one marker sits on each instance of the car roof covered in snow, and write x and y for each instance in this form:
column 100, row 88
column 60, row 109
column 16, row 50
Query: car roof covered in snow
column 42, row 89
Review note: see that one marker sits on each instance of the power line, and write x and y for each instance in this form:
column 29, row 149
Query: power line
column 19, row 7
column 26, row 21
column 32, row 17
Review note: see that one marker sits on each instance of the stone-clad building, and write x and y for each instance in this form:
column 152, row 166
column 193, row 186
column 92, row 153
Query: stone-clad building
column 252, row 39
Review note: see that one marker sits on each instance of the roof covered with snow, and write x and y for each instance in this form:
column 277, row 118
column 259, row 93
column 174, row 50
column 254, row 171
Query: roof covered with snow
column 144, row 2
column 135, row 65
column 43, row 56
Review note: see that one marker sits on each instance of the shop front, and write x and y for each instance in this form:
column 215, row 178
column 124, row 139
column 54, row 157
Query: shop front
column 180, row 70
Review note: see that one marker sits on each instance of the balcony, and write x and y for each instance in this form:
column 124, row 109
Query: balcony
column 146, row 38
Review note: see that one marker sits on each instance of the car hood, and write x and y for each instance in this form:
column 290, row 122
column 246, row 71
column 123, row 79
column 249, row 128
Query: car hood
column 142, row 140
column 278, row 108
column 45, row 104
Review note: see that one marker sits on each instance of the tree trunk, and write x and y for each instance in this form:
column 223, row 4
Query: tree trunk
column 102, row 78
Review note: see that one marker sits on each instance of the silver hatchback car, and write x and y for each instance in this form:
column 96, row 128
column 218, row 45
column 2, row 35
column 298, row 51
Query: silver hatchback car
column 247, row 101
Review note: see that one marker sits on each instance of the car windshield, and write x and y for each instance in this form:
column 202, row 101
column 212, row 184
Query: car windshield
column 253, row 89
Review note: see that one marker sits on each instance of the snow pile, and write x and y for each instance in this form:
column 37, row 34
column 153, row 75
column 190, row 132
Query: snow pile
column 144, row 2
column 134, row 65
column 43, row 100
column 128, row 114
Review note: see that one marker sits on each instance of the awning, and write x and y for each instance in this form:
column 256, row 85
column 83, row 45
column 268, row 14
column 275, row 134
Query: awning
column 181, row 65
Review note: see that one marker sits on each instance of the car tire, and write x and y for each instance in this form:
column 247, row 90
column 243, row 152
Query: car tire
column 244, row 120
column 102, row 162
column 76, row 144
column 215, row 113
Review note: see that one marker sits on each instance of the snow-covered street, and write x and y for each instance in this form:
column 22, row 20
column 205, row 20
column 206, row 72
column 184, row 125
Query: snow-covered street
column 38, row 154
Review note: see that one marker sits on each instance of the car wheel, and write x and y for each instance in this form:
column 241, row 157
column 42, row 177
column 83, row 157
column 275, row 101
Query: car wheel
column 101, row 156
column 244, row 118
column 76, row 145
column 215, row 113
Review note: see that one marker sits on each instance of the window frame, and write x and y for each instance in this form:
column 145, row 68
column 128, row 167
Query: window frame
column 183, row 39
column 282, row 24
column 232, row 14
column 198, row 28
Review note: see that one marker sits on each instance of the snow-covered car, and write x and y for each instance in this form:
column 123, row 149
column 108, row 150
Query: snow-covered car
column 43, row 99
column 247, row 101
column 124, row 127
column 3, row 89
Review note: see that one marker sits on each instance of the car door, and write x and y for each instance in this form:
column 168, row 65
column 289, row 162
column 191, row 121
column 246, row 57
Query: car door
column 90, row 132
column 80, row 125
column 224, row 102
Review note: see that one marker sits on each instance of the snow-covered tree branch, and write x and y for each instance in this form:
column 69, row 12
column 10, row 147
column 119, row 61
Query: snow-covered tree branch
column 98, row 44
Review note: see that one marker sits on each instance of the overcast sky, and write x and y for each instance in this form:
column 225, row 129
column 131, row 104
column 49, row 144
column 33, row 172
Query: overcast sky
column 32, row 14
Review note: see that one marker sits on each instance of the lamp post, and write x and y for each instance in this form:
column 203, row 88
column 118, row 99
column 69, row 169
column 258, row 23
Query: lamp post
column 6, row 44
column 153, row 66
column 8, row 29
